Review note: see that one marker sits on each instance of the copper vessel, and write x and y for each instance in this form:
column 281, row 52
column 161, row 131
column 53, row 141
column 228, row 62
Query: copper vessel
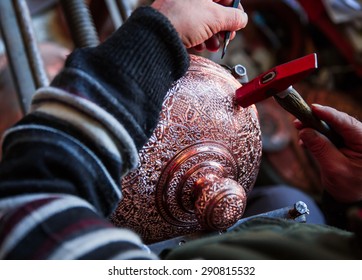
column 199, row 165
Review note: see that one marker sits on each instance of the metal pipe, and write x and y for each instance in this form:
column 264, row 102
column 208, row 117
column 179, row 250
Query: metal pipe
column 31, row 46
column 124, row 8
column 119, row 10
column 17, row 55
column 80, row 23
column 115, row 13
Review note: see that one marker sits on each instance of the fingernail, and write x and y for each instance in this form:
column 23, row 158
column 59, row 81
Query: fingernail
column 296, row 121
column 317, row 105
column 301, row 143
column 297, row 124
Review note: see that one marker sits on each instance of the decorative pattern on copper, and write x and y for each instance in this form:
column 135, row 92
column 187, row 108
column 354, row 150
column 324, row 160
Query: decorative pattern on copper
column 174, row 190
column 220, row 202
column 201, row 131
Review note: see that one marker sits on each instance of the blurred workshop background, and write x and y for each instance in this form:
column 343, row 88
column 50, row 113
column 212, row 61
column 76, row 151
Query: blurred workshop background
column 278, row 31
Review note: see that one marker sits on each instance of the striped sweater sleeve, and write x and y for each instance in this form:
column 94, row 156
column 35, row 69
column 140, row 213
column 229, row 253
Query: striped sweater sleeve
column 62, row 163
column 50, row 226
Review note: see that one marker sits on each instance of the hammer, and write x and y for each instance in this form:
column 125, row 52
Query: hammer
column 277, row 83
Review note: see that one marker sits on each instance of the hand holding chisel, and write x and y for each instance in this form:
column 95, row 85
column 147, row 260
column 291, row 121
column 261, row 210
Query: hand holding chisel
column 228, row 33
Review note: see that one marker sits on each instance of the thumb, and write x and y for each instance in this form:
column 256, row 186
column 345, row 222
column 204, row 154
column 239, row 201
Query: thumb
column 231, row 19
column 320, row 147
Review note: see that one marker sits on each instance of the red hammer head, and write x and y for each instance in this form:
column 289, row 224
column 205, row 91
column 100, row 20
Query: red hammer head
column 275, row 80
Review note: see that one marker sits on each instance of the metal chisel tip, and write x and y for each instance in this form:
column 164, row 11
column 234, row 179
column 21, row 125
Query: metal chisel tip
column 224, row 49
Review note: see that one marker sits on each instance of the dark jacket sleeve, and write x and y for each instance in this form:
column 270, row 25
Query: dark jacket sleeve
column 338, row 214
column 61, row 166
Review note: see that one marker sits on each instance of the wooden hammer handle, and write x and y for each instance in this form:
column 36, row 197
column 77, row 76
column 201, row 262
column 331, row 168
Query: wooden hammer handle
column 295, row 104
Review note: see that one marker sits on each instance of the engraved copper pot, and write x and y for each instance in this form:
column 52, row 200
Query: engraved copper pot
column 199, row 165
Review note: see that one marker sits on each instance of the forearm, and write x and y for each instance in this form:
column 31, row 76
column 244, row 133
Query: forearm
column 109, row 115
column 84, row 132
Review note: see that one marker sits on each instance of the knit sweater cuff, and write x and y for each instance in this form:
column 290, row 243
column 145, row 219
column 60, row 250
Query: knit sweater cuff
column 135, row 67
column 156, row 66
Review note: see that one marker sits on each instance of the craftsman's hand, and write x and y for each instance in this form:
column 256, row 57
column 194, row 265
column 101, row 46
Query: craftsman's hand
column 341, row 169
column 200, row 22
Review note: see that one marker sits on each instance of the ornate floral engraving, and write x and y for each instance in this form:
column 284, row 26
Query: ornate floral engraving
column 201, row 131
column 220, row 202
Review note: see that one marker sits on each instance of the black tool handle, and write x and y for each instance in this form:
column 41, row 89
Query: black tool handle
column 292, row 102
column 228, row 33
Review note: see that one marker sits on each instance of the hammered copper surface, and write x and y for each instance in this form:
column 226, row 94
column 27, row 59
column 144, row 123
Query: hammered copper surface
column 220, row 202
column 200, row 132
